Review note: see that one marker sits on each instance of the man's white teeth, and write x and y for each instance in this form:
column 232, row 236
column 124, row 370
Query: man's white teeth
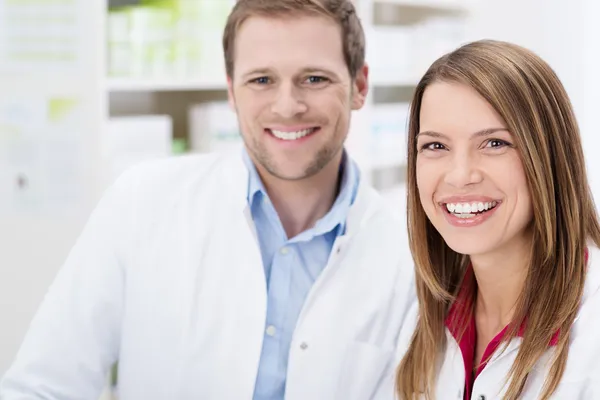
column 291, row 135
column 466, row 209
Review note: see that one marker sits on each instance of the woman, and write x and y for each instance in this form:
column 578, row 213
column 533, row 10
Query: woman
column 504, row 234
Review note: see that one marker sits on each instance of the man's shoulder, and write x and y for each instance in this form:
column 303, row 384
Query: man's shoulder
column 176, row 167
column 383, row 225
column 188, row 170
column 383, row 209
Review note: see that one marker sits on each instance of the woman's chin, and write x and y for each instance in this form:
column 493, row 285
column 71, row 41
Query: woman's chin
column 468, row 247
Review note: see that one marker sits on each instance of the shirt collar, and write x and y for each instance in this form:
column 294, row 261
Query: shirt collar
column 256, row 189
column 336, row 217
column 344, row 200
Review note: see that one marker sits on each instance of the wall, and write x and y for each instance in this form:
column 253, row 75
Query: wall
column 32, row 251
column 588, row 69
column 35, row 242
column 567, row 36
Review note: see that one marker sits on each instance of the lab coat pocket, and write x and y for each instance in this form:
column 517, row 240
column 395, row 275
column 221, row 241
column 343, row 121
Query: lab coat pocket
column 362, row 371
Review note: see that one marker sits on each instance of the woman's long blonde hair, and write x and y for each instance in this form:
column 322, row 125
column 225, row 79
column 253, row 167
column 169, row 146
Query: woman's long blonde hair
column 530, row 98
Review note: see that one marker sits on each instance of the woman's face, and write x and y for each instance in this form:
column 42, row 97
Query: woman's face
column 471, row 181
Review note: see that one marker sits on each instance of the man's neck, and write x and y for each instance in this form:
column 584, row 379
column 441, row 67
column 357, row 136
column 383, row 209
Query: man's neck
column 301, row 203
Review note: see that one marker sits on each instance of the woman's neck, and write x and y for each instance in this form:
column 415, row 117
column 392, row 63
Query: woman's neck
column 500, row 279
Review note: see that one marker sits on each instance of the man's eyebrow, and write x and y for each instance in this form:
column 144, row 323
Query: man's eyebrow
column 306, row 70
column 318, row 69
column 257, row 71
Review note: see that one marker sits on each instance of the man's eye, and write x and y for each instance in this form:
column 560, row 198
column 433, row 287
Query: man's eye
column 263, row 80
column 317, row 79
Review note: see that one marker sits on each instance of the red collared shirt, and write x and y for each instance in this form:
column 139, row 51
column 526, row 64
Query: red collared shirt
column 468, row 341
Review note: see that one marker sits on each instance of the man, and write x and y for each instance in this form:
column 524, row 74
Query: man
column 267, row 275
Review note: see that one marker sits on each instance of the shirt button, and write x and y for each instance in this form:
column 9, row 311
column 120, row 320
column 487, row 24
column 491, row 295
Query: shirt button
column 271, row 330
column 481, row 397
column 304, row 346
column 284, row 250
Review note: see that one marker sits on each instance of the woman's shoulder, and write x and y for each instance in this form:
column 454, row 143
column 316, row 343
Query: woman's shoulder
column 592, row 282
column 584, row 351
column 408, row 328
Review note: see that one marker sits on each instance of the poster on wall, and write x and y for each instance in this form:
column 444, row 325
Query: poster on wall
column 43, row 113
column 40, row 36
column 41, row 155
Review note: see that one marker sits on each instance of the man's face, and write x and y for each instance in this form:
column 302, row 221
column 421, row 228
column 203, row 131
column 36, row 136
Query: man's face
column 293, row 93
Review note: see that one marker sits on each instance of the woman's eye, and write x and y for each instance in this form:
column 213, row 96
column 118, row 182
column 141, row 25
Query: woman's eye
column 496, row 143
column 433, row 146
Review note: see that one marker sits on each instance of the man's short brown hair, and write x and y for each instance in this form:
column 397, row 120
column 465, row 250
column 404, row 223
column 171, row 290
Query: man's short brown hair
column 341, row 11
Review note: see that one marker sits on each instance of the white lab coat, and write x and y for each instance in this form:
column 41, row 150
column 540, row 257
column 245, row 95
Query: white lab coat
column 167, row 278
column 581, row 379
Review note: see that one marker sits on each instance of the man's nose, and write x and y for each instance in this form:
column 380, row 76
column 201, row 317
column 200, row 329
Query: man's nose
column 288, row 102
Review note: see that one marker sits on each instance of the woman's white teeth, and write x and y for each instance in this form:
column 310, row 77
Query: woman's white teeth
column 469, row 209
column 291, row 135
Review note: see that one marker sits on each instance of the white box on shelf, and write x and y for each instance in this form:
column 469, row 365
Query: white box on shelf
column 213, row 127
column 177, row 39
column 133, row 139
column 435, row 37
column 387, row 64
column 388, row 134
column 117, row 27
column 456, row 6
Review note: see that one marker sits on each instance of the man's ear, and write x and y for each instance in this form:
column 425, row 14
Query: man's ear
column 230, row 96
column 360, row 87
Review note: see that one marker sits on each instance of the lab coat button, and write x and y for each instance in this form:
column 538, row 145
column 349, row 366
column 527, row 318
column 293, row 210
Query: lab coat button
column 303, row 346
column 271, row 330
column 481, row 397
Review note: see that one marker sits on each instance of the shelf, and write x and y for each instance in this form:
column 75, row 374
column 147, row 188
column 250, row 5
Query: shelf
column 399, row 83
column 434, row 5
column 163, row 85
column 174, row 85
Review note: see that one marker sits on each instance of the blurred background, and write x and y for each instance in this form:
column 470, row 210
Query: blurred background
column 91, row 87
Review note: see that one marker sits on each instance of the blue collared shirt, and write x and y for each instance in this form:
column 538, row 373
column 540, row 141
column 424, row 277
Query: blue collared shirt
column 291, row 268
